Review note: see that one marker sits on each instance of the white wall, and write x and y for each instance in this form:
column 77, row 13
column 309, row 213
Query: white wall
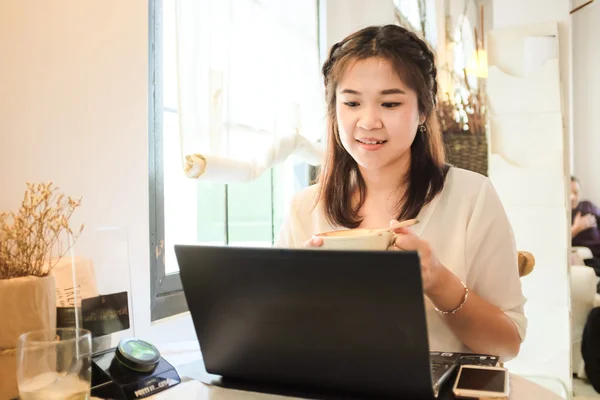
column 343, row 17
column 74, row 110
column 586, row 100
column 540, row 221
column 509, row 13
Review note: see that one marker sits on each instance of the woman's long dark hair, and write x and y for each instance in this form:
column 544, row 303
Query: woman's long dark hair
column 414, row 62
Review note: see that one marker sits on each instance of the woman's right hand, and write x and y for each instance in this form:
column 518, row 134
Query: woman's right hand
column 314, row 241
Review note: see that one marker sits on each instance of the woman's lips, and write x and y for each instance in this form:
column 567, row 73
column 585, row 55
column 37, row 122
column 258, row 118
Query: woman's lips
column 371, row 144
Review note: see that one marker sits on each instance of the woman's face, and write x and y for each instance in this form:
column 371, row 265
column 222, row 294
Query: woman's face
column 377, row 114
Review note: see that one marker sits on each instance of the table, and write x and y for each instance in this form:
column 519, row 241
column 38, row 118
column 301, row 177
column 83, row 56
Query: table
column 184, row 353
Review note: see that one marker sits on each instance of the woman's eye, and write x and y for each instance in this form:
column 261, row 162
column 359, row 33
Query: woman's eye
column 390, row 105
column 351, row 103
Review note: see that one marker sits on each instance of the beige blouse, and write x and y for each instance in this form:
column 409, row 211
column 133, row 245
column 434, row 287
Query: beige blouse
column 467, row 229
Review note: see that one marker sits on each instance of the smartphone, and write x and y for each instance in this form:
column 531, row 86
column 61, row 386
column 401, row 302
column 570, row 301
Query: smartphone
column 481, row 381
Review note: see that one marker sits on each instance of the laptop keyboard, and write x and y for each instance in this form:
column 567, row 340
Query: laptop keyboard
column 441, row 369
column 443, row 364
column 443, row 361
column 436, row 365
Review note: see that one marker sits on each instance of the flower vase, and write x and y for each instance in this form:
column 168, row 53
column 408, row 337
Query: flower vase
column 27, row 304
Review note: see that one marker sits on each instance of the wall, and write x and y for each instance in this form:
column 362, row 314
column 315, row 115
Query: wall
column 74, row 110
column 539, row 218
column 509, row 13
column 586, row 99
column 339, row 18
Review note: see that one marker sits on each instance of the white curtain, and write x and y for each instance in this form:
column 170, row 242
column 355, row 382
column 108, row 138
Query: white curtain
column 249, row 86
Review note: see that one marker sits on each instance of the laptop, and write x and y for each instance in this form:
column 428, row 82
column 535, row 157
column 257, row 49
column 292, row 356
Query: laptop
column 349, row 322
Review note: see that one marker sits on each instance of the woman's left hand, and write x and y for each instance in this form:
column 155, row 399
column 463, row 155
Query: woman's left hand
column 431, row 268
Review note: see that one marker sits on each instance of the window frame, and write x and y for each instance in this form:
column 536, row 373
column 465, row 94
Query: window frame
column 167, row 297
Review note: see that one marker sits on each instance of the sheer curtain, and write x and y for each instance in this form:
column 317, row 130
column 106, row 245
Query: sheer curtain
column 249, row 86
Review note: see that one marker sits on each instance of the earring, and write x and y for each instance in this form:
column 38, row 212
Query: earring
column 422, row 128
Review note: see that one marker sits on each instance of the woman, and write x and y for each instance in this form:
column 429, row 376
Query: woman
column 385, row 162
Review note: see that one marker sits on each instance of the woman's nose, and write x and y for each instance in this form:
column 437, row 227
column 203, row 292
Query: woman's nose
column 369, row 119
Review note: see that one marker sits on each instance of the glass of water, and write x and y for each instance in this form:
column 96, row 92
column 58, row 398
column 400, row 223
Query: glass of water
column 54, row 364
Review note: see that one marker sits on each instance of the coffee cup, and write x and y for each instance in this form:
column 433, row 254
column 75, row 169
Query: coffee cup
column 356, row 239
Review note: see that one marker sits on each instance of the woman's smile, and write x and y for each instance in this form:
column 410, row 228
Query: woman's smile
column 371, row 144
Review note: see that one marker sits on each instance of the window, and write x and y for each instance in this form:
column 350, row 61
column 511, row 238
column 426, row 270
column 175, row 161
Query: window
column 187, row 211
column 465, row 48
column 419, row 15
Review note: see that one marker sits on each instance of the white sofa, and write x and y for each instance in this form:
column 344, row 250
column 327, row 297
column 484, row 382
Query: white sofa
column 583, row 299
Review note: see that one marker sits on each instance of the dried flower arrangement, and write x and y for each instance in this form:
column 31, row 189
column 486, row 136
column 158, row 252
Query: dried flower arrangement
column 461, row 108
column 31, row 241
column 465, row 112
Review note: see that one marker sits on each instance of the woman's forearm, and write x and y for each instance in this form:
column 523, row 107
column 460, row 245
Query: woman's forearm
column 481, row 326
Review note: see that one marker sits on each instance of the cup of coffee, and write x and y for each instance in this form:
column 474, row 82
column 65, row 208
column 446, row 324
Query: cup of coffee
column 356, row 239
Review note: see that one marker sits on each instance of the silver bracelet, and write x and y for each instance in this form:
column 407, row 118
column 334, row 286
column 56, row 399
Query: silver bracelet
column 457, row 309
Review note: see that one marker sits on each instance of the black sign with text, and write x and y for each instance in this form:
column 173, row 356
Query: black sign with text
column 106, row 314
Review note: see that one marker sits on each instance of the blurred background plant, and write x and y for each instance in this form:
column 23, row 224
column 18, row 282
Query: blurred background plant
column 462, row 72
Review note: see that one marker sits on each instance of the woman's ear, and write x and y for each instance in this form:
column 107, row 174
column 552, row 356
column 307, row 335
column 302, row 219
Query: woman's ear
column 422, row 119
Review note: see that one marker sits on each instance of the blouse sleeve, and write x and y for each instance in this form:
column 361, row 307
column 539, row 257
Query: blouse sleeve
column 285, row 237
column 492, row 269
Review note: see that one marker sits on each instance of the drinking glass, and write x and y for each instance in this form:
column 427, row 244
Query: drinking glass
column 54, row 364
